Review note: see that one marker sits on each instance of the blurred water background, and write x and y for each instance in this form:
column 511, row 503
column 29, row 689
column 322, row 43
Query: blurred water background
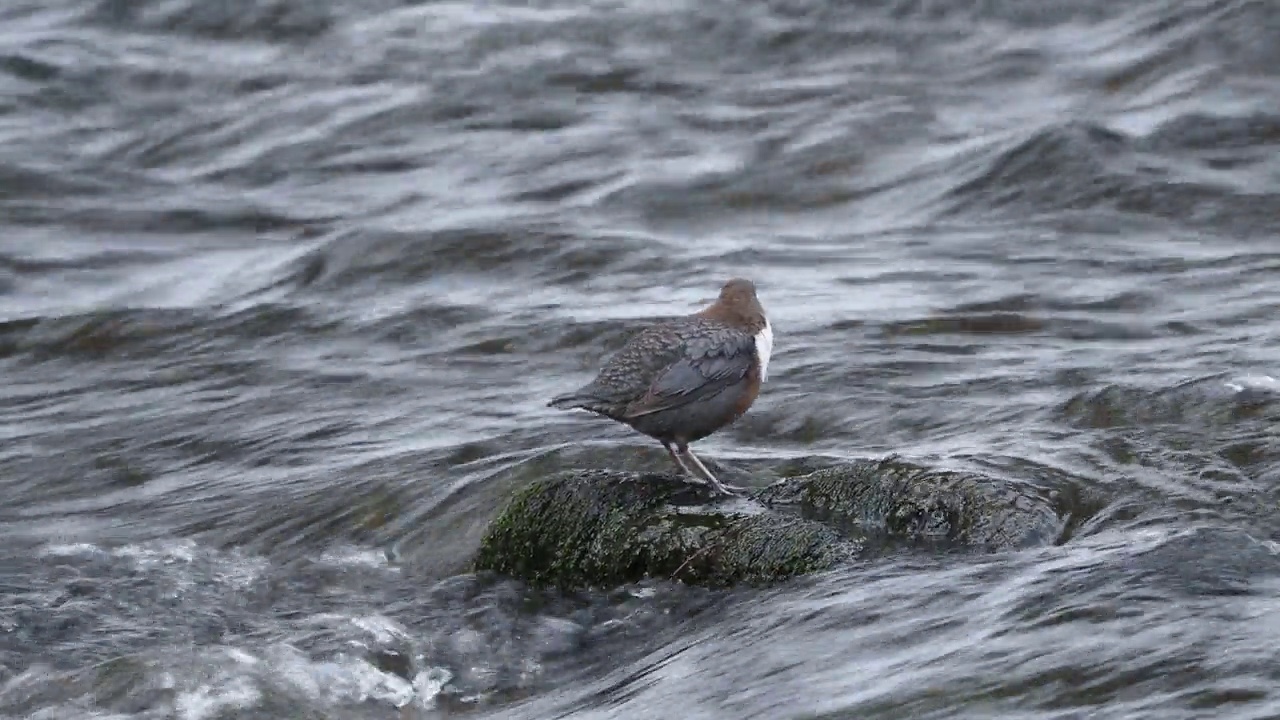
column 285, row 285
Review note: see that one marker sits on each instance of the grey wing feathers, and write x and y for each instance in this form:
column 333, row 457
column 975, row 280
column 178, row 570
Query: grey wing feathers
column 627, row 375
column 709, row 364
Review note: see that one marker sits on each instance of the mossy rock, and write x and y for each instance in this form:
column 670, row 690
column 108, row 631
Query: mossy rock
column 603, row 528
column 897, row 499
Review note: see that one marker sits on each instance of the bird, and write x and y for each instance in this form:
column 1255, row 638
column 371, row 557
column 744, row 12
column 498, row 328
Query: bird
column 682, row 379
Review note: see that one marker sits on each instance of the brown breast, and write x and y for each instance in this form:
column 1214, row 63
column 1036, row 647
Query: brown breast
column 750, row 392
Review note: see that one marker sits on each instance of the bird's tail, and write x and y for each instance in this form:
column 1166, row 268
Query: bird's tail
column 580, row 398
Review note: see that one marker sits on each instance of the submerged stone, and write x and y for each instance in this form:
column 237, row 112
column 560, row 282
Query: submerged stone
column 898, row 499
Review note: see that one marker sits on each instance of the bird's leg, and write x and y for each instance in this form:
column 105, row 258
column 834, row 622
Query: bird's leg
column 676, row 457
column 720, row 487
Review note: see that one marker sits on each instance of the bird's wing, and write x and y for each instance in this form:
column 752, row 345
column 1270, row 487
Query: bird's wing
column 709, row 365
column 629, row 373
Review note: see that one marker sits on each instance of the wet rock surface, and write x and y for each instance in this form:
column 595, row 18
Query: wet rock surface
column 603, row 528
column 599, row 528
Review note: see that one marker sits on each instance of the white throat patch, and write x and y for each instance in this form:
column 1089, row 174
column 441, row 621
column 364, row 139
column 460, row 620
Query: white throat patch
column 764, row 348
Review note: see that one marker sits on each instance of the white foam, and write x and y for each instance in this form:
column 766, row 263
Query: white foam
column 161, row 552
column 383, row 629
column 356, row 557
column 182, row 563
column 764, row 348
column 70, row 550
column 208, row 701
column 1254, row 382
column 348, row 680
column 428, row 684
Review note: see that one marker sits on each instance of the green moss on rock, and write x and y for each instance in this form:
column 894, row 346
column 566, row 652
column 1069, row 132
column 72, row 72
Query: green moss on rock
column 603, row 528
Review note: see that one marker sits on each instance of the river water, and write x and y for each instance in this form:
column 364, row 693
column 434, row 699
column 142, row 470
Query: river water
column 286, row 284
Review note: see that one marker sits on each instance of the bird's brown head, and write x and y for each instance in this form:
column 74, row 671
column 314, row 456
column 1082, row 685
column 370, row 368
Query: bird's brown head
column 738, row 306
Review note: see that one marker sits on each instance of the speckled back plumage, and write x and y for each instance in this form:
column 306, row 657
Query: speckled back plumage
column 628, row 376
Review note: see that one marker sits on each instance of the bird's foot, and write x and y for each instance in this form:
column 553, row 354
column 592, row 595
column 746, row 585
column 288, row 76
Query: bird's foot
column 726, row 489
column 719, row 487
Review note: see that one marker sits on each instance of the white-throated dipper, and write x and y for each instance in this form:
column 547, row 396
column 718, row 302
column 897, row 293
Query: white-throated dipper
column 683, row 379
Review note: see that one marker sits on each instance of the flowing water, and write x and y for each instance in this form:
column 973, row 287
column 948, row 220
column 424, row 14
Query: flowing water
column 286, row 284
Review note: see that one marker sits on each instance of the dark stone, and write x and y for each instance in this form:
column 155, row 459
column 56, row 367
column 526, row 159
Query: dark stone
column 604, row 528
column 905, row 501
